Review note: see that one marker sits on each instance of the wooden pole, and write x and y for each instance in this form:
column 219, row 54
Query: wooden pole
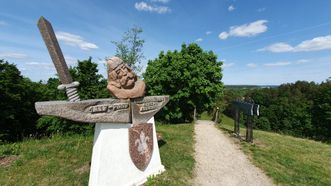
column 216, row 117
column 249, row 129
column 236, row 123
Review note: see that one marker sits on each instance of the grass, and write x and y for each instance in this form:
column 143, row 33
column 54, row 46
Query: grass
column 176, row 155
column 205, row 116
column 286, row 159
column 65, row 160
column 60, row 160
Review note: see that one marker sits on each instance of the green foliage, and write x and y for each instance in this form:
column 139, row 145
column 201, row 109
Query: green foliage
column 52, row 125
column 17, row 97
column 230, row 94
column 288, row 160
column 129, row 49
column 299, row 109
column 262, row 123
column 191, row 77
column 92, row 85
column 51, row 92
column 321, row 112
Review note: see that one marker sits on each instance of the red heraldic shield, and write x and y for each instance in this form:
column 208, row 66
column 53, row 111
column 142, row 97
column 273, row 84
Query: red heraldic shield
column 141, row 144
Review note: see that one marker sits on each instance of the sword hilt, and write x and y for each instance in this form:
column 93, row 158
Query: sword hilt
column 71, row 90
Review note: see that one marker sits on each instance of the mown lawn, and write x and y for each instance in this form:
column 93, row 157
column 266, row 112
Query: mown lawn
column 65, row 160
column 286, row 159
column 176, row 155
column 60, row 160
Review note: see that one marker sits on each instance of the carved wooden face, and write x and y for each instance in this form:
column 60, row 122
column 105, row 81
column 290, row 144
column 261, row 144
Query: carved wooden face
column 126, row 77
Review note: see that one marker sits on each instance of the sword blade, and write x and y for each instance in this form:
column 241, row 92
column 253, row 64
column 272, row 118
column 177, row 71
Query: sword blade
column 54, row 50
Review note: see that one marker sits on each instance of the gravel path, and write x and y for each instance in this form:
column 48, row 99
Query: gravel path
column 221, row 162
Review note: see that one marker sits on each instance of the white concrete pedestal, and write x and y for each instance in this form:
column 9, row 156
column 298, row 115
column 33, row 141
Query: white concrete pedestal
column 111, row 163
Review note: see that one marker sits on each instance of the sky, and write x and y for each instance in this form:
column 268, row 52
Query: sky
column 261, row 42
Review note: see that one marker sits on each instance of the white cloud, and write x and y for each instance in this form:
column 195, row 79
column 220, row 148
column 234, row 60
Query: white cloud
column 199, row 40
column 33, row 63
column 301, row 61
column 278, row 47
column 143, row 6
column 14, row 55
column 223, row 35
column 231, row 8
column 261, row 9
column 160, row 1
column 226, row 65
column 75, row 40
column 285, row 63
column 245, row 30
column 251, row 65
column 208, row 32
column 315, row 44
column 41, row 65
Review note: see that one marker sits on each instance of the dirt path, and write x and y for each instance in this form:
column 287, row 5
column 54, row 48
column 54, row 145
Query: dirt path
column 220, row 162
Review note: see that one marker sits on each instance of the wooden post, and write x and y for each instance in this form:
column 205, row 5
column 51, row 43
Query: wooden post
column 216, row 117
column 236, row 123
column 249, row 129
column 195, row 114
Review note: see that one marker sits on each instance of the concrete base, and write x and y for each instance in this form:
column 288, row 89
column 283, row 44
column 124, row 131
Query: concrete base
column 111, row 163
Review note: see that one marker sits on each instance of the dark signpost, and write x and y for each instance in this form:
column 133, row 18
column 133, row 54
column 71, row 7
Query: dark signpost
column 249, row 110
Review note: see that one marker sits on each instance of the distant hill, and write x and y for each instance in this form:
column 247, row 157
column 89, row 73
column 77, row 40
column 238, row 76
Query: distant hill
column 249, row 86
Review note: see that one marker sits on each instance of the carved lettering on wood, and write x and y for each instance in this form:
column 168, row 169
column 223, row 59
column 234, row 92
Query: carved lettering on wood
column 108, row 108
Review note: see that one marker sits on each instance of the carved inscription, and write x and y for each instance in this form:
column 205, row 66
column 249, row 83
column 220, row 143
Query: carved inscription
column 108, row 108
column 150, row 104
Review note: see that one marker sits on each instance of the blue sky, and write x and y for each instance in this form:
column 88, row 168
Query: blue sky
column 260, row 41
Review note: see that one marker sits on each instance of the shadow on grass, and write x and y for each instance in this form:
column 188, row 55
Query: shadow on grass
column 227, row 130
column 232, row 134
column 161, row 142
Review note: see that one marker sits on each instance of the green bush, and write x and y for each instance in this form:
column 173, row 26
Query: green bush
column 262, row 123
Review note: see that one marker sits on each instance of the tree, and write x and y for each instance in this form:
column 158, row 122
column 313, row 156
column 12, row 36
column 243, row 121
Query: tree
column 17, row 97
column 321, row 111
column 92, row 85
column 129, row 49
column 191, row 77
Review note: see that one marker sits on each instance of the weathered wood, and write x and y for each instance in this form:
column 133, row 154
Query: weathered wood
column 237, row 123
column 145, row 108
column 246, row 108
column 249, row 109
column 249, row 129
column 104, row 110
column 54, row 50
column 216, row 115
column 61, row 67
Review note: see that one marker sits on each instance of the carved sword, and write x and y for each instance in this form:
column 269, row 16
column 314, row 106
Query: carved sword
column 55, row 52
